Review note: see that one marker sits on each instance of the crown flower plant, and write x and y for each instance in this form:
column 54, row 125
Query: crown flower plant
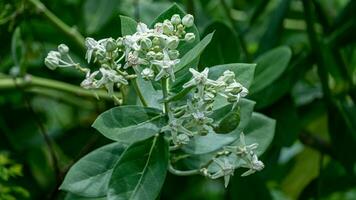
column 187, row 120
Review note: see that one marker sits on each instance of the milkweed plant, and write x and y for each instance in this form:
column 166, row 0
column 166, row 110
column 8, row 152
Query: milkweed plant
column 188, row 119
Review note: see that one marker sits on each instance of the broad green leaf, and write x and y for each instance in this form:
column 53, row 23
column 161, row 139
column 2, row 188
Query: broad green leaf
column 270, row 66
column 98, row 13
column 152, row 96
column 129, row 124
column 260, row 130
column 90, row 176
column 167, row 14
column 194, row 53
column 284, row 83
column 244, row 72
column 274, row 29
column 224, row 47
column 128, row 25
column 212, row 141
column 229, row 122
column 141, row 171
column 71, row 196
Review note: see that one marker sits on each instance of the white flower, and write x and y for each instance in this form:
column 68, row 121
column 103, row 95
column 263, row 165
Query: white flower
column 167, row 66
column 134, row 60
column 91, row 46
column 89, row 82
column 242, row 149
column 199, row 78
column 254, row 165
column 226, row 169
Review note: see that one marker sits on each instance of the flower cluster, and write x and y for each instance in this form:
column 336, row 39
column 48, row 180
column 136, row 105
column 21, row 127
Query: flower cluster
column 193, row 117
column 247, row 154
column 151, row 53
column 231, row 157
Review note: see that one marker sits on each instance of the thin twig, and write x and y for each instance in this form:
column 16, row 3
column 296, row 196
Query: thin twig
column 70, row 31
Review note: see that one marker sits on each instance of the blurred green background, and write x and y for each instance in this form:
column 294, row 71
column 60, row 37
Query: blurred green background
column 45, row 117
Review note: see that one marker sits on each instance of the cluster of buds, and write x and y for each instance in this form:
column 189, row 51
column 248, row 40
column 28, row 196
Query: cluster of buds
column 60, row 58
column 194, row 115
column 154, row 50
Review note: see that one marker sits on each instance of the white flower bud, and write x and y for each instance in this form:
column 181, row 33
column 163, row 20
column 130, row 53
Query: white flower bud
column 147, row 74
column 119, row 42
column 182, row 139
column 150, row 55
column 173, row 54
column 52, row 60
column 110, row 45
column 159, row 56
column 188, row 20
column 175, row 19
column 189, row 37
column 63, row 49
column 172, row 42
column 145, row 43
column 167, row 27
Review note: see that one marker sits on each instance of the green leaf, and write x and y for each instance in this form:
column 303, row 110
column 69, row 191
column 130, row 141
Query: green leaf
column 274, row 29
column 152, row 96
column 141, row 171
column 98, row 13
column 244, row 72
column 71, row 196
column 128, row 25
column 90, row 176
column 270, row 66
column 223, row 48
column 212, row 141
column 193, row 53
column 183, row 48
column 129, row 124
column 260, row 130
column 229, row 122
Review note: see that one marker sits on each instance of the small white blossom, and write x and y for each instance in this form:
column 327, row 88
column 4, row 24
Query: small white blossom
column 226, row 169
column 166, row 65
column 254, row 165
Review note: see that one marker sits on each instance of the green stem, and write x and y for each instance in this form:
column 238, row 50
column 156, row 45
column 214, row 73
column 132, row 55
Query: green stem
column 139, row 93
column 165, row 94
column 183, row 173
column 70, row 31
column 29, row 81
